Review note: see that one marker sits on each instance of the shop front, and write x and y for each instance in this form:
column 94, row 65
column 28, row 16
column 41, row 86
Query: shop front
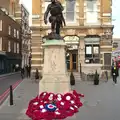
column 8, row 62
column 72, row 52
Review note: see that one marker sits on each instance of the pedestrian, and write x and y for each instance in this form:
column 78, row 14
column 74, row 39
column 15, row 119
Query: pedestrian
column 36, row 75
column 26, row 69
column 22, row 73
column 29, row 71
column 115, row 73
column 106, row 74
column 72, row 81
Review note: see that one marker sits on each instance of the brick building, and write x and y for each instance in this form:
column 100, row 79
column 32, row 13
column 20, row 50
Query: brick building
column 88, row 34
column 10, row 42
column 22, row 17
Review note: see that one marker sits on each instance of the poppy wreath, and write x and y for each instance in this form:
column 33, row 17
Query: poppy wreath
column 51, row 106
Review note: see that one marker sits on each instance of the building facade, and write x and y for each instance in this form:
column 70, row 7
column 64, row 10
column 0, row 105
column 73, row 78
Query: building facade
column 88, row 34
column 10, row 43
column 22, row 16
column 116, row 48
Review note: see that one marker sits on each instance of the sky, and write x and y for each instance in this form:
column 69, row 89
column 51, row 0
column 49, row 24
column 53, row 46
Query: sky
column 115, row 15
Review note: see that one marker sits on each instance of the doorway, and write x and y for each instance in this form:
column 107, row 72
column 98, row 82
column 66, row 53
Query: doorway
column 72, row 61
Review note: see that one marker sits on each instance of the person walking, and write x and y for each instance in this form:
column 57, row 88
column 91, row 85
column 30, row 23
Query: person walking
column 115, row 73
column 29, row 71
column 106, row 74
column 36, row 75
column 22, row 73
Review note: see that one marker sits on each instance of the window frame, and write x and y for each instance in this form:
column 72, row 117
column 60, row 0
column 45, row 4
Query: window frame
column 14, row 47
column 9, row 30
column 18, row 34
column 1, row 44
column 92, row 57
column 65, row 11
column 92, row 11
column 9, row 46
column 18, row 50
column 14, row 32
column 1, row 25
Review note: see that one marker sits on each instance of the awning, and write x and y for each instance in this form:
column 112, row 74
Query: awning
column 2, row 53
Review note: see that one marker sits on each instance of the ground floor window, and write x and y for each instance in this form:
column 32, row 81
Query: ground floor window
column 92, row 50
column 1, row 66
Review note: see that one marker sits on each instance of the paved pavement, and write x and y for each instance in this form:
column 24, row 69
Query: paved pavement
column 100, row 103
column 26, row 91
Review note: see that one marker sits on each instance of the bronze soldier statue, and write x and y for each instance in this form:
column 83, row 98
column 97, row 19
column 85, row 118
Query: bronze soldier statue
column 56, row 19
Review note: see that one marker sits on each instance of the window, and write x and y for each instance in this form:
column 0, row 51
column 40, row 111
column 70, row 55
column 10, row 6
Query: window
column 17, row 47
column 14, row 47
column 91, row 11
column 0, row 43
column 17, row 34
column 9, row 46
column 0, row 25
column 70, row 10
column 14, row 32
column 47, row 2
column 92, row 50
column 9, row 30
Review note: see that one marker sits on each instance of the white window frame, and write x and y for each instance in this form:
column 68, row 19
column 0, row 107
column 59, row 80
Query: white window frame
column 14, row 47
column 86, row 11
column 18, row 48
column 17, row 34
column 1, row 25
column 9, row 30
column 64, row 14
column 0, row 43
column 9, row 46
column 14, row 32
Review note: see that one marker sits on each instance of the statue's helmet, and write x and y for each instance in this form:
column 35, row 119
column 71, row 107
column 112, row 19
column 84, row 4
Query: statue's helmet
column 53, row 1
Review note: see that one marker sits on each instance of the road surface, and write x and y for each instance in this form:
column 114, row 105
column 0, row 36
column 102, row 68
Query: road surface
column 5, row 83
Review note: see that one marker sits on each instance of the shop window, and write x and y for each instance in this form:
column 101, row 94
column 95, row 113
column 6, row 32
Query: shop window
column 92, row 50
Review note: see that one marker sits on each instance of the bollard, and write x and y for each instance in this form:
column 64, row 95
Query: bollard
column 11, row 95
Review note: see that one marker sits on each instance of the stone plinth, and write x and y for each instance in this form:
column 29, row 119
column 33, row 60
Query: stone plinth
column 55, row 76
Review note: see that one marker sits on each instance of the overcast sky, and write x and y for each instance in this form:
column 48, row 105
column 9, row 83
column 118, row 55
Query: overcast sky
column 115, row 14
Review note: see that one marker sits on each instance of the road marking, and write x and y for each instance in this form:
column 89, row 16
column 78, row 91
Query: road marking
column 2, row 97
column 7, row 91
